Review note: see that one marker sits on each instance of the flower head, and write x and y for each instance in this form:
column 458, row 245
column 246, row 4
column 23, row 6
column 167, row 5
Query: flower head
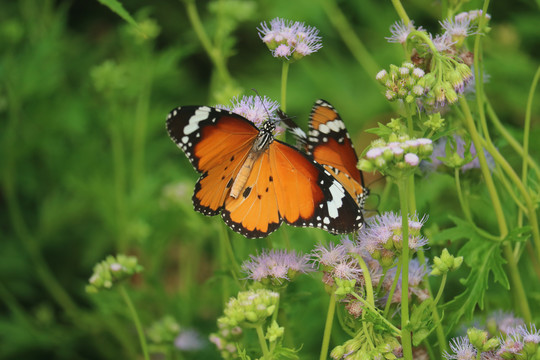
column 331, row 255
column 254, row 108
column 400, row 31
column 462, row 349
column 458, row 27
column 286, row 38
column 276, row 265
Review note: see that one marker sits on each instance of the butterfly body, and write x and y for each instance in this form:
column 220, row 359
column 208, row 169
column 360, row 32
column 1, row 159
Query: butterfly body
column 255, row 181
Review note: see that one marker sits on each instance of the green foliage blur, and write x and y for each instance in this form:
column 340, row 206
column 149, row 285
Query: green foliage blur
column 87, row 168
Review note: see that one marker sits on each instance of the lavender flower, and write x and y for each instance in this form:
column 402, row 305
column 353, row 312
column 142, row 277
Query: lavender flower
column 286, row 38
column 400, row 31
column 255, row 109
column 331, row 255
column 439, row 151
column 505, row 322
column 188, row 340
column 443, row 43
column 347, row 270
column 529, row 336
column 385, row 232
column 459, row 27
column 276, row 265
column 462, row 349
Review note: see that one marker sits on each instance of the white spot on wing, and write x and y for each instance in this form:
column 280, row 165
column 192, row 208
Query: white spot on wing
column 200, row 115
column 185, row 139
column 337, row 199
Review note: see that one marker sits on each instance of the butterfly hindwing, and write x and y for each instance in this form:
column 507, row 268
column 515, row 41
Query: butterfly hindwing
column 330, row 144
column 286, row 185
column 318, row 200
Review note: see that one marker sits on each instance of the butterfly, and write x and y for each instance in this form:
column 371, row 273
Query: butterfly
column 329, row 143
column 255, row 181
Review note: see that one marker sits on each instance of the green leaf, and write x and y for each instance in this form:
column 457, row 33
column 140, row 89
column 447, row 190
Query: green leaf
column 383, row 131
column 117, row 7
column 421, row 321
column 484, row 258
column 520, row 234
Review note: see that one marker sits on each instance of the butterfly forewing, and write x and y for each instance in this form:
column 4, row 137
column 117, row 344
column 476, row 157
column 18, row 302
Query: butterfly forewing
column 216, row 142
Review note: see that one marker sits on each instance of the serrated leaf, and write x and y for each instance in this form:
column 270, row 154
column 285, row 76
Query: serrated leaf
column 484, row 258
column 520, row 234
column 463, row 229
column 382, row 130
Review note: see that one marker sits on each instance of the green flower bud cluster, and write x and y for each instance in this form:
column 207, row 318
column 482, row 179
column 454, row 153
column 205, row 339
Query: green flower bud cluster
column 163, row 331
column 445, row 263
column 445, row 82
column 434, row 122
column 359, row 348
column 397, row 154
column 226, row 338
column 250, row 308
column 479, row 339
column 274, row 332
column 402, row 82
column 112, row 270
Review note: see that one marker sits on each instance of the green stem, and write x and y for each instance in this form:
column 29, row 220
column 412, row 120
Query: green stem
column 461, row 198
column 441, row 288
column 136, row 320
column 401, row 11
column 235, row 268
column 478, row 72
column 467, row 212
column 213, row 53
column 509, row 138
column 367, row 279
column 531, row 210
column 375, row 311
column 392, row 290
column 328, row 326
column 351, row 40
column 262, row 342
column 527, row 127
column 403, row 186
column 284, row 75
column 501, row 219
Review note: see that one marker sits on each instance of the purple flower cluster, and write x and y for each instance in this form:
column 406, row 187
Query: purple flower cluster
column 417, row 274
column 255, row 108
column 288, row 39
column 276, row 266
column 458, row 159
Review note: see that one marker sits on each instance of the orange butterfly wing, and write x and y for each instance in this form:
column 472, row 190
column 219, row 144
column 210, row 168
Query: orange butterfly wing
column 216, row 143
column 283, row 184
column 330, row 144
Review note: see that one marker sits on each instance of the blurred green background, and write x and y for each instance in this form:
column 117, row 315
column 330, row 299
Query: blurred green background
column 87, row 168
